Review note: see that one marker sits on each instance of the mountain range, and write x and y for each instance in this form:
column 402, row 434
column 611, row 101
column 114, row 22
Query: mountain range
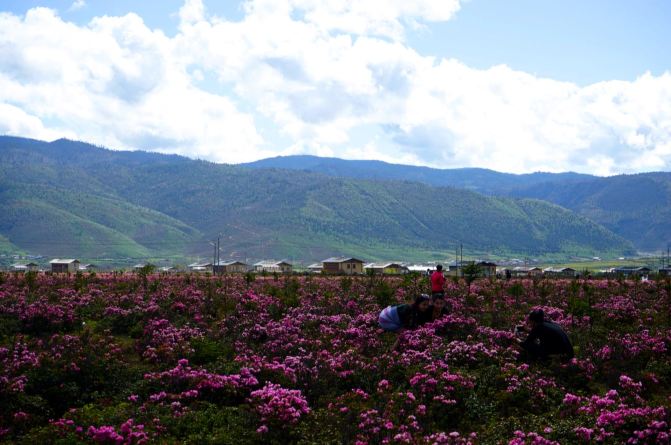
column 475, row 179
column 636, row 207
column 71, row 199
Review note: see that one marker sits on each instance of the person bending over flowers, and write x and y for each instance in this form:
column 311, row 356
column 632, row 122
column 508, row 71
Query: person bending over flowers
column 438, row 307
column 545, row 339
column 405, row 316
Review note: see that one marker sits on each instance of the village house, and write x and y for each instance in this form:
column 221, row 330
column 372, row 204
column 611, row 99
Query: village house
column 487, row 269
column 64, row 265
column 420, row 268
column 453, row 270
column 559, row 272
column 201, row 267
column 386, row 268
column 342, row 265
column 665, row 271
column 631, row 271
column 140, row 266
column 230, row 267
column 316, row 268
column 30, row 267
column 271, row 266
column 168, row 269
column 88, row 268
column 530, row 272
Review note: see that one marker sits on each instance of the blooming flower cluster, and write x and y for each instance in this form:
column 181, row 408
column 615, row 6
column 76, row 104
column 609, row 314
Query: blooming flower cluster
column 117, row 358
column 279, row 406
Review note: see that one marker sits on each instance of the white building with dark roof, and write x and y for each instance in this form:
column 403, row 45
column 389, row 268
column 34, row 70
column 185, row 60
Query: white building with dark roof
column 231, row 267
column 559, row 272
column 30, row 267
column 272, row 266
column 59, row 265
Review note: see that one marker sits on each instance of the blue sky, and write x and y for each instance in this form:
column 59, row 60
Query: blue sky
column 516, row 86
column 579, row 41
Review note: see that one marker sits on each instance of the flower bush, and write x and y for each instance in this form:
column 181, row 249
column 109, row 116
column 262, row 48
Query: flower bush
column 117, row 358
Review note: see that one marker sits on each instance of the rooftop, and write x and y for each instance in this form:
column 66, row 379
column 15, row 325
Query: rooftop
column 342, row 259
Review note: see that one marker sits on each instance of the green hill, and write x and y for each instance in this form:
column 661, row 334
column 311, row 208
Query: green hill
column 637, row 207
column 73, row 199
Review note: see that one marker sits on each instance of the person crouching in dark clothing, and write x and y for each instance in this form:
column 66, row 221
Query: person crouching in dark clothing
column 545, row 339
column 438, row 307
column 412, row 316
column 416, row 314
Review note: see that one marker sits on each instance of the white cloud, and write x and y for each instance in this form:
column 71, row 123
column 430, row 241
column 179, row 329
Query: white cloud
column 322, row 74
column 77, row 4
column 115, row 82
column 374, row 17
column 193, row 11
column 16, row 122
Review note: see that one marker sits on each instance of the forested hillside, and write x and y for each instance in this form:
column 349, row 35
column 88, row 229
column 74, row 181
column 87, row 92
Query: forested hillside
column 636, row 207
column 72, row 199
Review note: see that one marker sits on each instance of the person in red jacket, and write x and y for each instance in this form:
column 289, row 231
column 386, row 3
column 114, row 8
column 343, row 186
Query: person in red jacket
column 438, row 282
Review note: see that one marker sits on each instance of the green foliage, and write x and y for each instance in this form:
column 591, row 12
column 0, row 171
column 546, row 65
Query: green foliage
column 207, row 351
column 383, row 293
column 415, row 283
column 346, row 283
column 471, row 272
column 212, row 424
column 250, row 277
column 30, row 280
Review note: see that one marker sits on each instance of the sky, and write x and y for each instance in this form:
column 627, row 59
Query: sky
column 515, row 86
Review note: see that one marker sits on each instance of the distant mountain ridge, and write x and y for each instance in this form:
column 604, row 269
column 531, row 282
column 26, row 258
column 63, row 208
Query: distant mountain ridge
column 475, row 179
column 68, row 198
column 636, row 207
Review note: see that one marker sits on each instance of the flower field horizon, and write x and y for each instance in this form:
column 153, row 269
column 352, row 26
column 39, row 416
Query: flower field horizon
column 133, row 359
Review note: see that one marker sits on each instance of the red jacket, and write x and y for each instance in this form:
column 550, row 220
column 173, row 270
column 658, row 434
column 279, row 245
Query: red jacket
column 437, row 281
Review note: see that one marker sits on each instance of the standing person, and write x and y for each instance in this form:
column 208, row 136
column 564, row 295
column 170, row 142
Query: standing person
column 545, row 339
column 438, row 281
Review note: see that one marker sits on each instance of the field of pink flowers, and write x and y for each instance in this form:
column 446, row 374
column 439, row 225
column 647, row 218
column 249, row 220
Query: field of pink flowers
column 125, row 359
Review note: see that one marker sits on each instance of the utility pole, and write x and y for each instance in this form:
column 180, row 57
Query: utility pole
column 216, row 265
column 214, row 255
column 461, row 261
